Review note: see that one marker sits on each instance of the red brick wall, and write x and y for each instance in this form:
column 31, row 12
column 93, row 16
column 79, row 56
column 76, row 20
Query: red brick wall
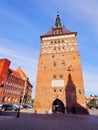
column 13, row 86
column 72, row 93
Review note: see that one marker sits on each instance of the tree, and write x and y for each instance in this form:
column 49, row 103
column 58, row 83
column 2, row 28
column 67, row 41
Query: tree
column 92, row 104
column 32, row 100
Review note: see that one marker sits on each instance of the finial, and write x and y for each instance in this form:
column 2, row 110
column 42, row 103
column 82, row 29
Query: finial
column 63, row 24
column 57, row 12
column 58, row 21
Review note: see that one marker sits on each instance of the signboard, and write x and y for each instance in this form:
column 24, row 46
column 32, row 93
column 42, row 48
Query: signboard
column 57, row 83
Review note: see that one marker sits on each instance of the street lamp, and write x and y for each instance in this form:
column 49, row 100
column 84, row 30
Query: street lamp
column 18, row 113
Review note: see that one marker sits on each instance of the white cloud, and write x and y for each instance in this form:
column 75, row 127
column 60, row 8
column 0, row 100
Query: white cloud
column 90, row 83
column 11, row 53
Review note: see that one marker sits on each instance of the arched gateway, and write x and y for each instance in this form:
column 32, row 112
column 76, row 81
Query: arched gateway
column 58, row 106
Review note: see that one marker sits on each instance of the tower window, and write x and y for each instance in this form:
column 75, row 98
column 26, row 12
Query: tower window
column 80, row 91
column 54, row 90
column 55, row 32
column 53, row 56
column 62, row 55
column 54, row 48
column 51, row 41
column 58, row 31
column 63, row 63
column 54, row 64
column 54, row 76
column 58, row 48
column 60, row 76
column 74, row 57
column 60, row 90
column 62, row 41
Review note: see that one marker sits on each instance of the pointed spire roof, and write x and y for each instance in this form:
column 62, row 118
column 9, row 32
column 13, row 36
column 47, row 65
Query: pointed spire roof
column 58, row 21
column 58, row 25
column 22, row 74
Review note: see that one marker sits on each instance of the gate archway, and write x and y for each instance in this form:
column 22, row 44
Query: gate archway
column 58, row 106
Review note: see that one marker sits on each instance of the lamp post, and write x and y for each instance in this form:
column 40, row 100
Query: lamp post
column 18, row 113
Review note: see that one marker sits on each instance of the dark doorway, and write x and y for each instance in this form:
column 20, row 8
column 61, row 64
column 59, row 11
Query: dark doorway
column 58, row 106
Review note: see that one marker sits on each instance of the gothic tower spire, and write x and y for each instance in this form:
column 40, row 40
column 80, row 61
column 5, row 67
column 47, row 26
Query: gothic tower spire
column 58, row 21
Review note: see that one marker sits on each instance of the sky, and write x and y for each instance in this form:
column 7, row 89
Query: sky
column 22, row 22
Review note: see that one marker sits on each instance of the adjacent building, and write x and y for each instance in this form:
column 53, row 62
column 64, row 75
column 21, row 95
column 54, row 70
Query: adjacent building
column 14, row 84
column 59, row 83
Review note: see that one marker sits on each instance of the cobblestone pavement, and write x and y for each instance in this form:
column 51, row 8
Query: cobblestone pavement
column 31, row 121
column 5, row 117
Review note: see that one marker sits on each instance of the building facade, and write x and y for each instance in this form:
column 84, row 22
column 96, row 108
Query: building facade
column 27, row 92
column 59, row 83
column 12, row 84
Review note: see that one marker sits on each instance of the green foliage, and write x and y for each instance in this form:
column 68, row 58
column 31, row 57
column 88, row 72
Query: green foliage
column 32, row 100
column 92, row 104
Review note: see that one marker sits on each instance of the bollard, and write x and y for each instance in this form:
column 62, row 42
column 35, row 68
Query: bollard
column 18, row 112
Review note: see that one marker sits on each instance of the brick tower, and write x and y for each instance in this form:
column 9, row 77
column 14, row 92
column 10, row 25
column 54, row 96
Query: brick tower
column 59, row 83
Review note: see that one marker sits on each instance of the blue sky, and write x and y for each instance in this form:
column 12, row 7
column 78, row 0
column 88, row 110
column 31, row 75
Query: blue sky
column 23, row 21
